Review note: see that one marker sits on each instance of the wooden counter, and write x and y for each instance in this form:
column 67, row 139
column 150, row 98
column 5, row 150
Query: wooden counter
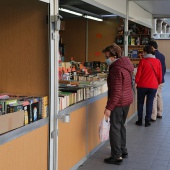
column 79, row 138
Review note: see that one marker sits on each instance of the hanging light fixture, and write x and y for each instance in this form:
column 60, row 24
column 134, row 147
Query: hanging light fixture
column 80, row 14
column 93, row 18
column 71, row 12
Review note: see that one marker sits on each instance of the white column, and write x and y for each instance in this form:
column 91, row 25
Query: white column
column 154, row 23
column 168, row 29
column 53, row 86
column 154, row 27
column 159, row 26
column 87, row 32
column 164, row 25
column 126, row 29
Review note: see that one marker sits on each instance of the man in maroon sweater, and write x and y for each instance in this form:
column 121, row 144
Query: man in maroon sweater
column 120, row 96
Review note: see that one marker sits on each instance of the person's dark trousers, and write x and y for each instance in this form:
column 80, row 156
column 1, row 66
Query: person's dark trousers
column 150, row 94
column 118, row 131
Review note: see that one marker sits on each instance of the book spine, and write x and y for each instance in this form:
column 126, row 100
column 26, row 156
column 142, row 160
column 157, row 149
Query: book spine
column 40, row 108
column 8, row 109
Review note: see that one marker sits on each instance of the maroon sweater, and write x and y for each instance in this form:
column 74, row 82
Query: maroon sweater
column 120, row 83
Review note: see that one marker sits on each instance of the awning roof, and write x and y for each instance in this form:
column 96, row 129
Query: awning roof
column 158, row 8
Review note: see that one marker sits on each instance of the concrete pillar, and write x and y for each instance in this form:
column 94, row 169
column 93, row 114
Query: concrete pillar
column 154, row 23
column 168, row 29
column 159, row 26
column 164, row 25
column 154, row 26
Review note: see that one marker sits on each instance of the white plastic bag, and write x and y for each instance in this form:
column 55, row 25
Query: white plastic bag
column 104, row 128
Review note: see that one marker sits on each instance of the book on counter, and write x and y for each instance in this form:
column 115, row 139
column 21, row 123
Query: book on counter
column 34, row 109
column 79, row 91
column 70, row 94
column 43, row 107
column 66, row 99
column 27, row 113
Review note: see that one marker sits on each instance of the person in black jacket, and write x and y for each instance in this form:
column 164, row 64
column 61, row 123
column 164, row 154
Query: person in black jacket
column 158, row 102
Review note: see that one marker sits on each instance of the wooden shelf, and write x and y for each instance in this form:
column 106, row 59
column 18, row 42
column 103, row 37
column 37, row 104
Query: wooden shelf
column 135, row 35
column 135, row 60
column 133, row 45
column 140, row 35
column 136, row 45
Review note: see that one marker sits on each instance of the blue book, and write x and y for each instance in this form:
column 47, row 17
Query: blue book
column 134, row 53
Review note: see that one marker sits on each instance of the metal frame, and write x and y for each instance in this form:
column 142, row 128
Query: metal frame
column 126, row 30
column 53, row 65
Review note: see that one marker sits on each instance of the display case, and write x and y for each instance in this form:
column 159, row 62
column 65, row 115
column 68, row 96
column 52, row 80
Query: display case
column 139, row 36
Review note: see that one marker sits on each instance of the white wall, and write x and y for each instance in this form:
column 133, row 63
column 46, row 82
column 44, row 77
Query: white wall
column 118, row 7
column 139, row 15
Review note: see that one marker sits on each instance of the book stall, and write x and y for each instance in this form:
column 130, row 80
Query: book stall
column 49, row 111
column 76, row 84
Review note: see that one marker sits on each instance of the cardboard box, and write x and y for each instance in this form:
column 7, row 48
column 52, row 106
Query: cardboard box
column 11, row 121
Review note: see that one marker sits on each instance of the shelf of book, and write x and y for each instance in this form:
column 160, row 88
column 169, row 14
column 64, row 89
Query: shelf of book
column 70, row 95
column 138, row 37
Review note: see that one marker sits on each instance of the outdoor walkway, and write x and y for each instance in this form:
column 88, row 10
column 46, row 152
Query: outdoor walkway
column 148, row 147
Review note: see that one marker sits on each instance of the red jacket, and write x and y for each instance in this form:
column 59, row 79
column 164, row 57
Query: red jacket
column 145, row 76
column 120, row 83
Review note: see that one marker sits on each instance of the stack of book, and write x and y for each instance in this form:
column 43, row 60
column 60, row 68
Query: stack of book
column 35, row 108
column 69, row 95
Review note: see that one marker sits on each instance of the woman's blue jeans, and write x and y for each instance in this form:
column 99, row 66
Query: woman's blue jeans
column 149, row 93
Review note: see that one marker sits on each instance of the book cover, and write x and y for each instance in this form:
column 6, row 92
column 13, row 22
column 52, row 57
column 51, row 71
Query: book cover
column 120, row 40
column 26, row 114
column 10, row 108
column 8, row 102
column 27, row 111
column 34, row 108
column 18, row 107
column 2, row 105
column 35, row 111
column 44, row 107
column 134, row 53
column 132, row 40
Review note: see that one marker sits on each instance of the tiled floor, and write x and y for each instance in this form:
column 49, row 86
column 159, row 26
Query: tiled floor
column 148, row 147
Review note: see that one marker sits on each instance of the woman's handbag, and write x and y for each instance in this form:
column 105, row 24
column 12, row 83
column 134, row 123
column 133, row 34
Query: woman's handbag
column 104, row 128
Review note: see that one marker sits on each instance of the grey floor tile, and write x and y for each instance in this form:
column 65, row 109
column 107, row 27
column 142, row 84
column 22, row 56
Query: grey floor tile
column 165, row 153
column 141, row 165
column 163, row 148
column 150, row 151
column 152, row 147
column 155, row 167
column 149, row 156
column 162, row 157
column 160, row 162
column 146, row 160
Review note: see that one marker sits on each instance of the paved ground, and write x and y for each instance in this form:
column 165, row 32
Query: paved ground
column 148, row 147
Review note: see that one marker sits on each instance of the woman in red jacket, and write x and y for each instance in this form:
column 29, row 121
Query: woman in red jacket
column 148, row 77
